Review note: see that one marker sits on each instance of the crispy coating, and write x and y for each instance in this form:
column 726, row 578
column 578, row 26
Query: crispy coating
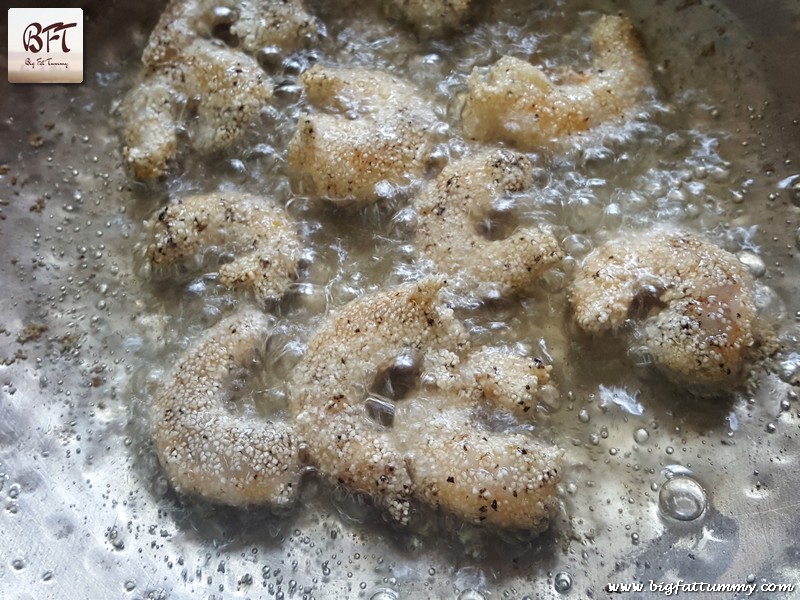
column 448, row 213
column 264, row 240
column 182, row 64
column 282, row 23
column 434, row 16
column 330, row 386
column 508, row 381
column 257, row 23
column 380, row 136
column 506, row 479
column 516, row 103
column 205, row 449
column 230, row 88
column 694, row 298
column 503, row 479
column 150, row 115
column 232, row 91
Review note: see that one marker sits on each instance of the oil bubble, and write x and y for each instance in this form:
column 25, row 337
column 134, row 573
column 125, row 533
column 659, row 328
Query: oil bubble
column 471, row 594
column 385, row 594
column 612, row 216
column 795, row 192
column 753, row 262
column 577, row 245
column 682, row 498
column 789, row 368
column 640, row 435
column 562, row 582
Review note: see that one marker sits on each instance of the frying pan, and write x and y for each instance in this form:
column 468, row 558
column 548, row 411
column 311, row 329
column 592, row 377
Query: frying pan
column 86, row 513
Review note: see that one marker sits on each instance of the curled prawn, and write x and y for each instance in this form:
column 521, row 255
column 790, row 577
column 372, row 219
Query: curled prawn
column 231, row 90
column 445, row 458
column 434, row 16
column 205, row 449
column 182, row 64
column 515, row 102
column 255, row 23
column 695, row 301
column 380, row 137
column 265, row 243
column 450, row 209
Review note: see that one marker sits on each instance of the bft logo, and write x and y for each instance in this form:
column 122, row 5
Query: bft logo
column 45, row 45
column 32, row 36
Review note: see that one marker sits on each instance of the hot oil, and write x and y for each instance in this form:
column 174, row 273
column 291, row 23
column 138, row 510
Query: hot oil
column 646, row 462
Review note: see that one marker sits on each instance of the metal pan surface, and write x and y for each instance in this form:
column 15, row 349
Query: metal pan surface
column 86, row 511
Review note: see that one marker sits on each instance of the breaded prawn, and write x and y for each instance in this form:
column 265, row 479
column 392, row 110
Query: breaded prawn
column 256, row 23
column 450, row 209
column 230, row 90
column 445, row 457
column 330, row 386
column 205, row 449
column 265, row 242
column 695, row 301
column 516, row 102
column 183, row 65
column 380, row 135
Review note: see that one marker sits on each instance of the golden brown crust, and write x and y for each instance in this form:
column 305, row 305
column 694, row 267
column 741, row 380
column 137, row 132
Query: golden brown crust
column 702, row 321
column 264, row 241
column 380, row 137
column 448, row 212
column 515, row 102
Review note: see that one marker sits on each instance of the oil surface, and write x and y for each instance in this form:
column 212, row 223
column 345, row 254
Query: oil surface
column 658, row 485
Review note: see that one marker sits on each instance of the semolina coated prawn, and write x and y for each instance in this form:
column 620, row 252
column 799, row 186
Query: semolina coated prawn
column 700, row 323
column 380, row 136
column 183, row 64
column 445, row 459
column 449, row 210
column 205, row 449
column 265, row 242
column 515, row 102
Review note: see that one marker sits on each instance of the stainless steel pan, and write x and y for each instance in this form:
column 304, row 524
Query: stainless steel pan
column 85, row 512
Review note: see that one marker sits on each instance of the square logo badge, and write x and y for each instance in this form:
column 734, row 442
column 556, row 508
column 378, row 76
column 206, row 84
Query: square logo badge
column 45, row 45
